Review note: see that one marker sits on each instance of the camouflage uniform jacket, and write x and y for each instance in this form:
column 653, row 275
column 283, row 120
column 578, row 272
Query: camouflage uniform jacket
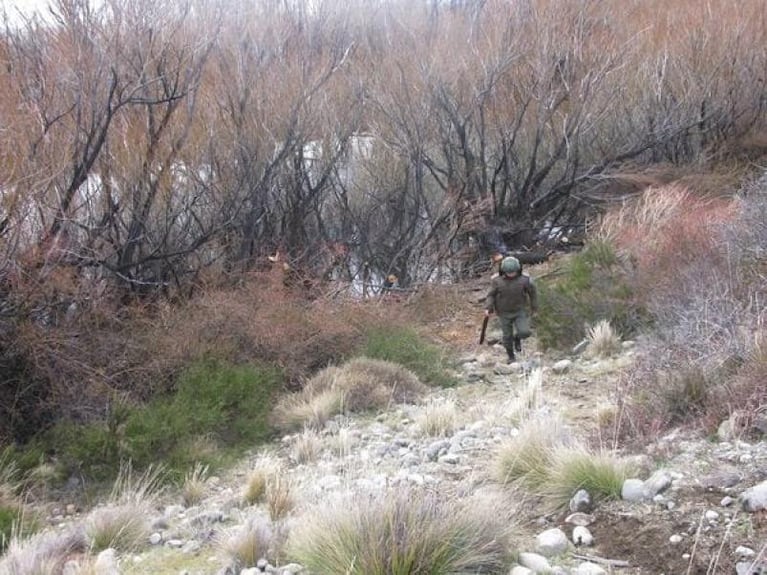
column 510, row 295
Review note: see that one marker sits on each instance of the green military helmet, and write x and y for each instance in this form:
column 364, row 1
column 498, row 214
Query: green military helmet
column 510, row 265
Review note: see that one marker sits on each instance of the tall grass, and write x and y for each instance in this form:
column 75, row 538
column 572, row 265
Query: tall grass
column 401, row 533
column 358, row 385
column 123, row 523
column 545, row 461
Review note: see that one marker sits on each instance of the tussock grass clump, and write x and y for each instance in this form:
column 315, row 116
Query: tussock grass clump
column 400, row 533
column 306, row 446
column 280, row 499
column 549, row 464
column 254, row 490
column 193, row 490
column 603, row 341
column 526, row 458
column 45, row 553
column 438, row 418
column 308, row 408
column 601, row 474
column 123, row 523
column 244, row 545
column 359, row 385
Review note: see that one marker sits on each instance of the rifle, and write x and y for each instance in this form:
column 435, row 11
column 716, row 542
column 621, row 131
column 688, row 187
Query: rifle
column 484, row 328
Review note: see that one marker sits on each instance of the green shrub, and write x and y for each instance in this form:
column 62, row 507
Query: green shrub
column 590, row 287
column 215, row 404
column 405, row 347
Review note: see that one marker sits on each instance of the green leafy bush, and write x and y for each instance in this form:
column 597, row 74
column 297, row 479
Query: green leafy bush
column 588, row 288
column 407, row 348
column 216, row 409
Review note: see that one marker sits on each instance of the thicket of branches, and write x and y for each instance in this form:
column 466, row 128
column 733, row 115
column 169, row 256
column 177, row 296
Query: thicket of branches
column 144, row 144
column 149, row 147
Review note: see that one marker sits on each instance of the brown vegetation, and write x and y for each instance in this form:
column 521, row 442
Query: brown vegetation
column 153, row 157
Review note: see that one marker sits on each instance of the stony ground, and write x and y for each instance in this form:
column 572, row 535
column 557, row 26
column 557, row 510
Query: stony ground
column 690, row 522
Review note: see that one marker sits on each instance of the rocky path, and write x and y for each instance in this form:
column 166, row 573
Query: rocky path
column 695, row 506
column 688, row 518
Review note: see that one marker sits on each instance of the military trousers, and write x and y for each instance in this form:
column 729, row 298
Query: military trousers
column 514, row 324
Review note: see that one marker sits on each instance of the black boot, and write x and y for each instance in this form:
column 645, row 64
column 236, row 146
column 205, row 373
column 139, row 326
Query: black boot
column 510, row 352
column 517, row 344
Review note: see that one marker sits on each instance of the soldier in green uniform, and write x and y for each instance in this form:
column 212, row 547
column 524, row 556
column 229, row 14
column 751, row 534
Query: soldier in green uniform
column 510, row 295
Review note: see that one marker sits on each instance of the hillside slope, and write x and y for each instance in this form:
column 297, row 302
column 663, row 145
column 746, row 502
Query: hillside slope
column 690, row 514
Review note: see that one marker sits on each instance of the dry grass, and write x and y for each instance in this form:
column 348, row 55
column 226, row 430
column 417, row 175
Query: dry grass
column 526, row 458
column 42, row 554
column 194, row 489
column 9, row 479
column 306, row 446
column 308, row 409
column 358, row 385
column 520, row 408
column 280, row 499
column 254, row 490
column 603, row 341
column 244, row 545
column 402, row 532
column 550, row 465
column 438, row 418
column 123, row 523
column 343, row 441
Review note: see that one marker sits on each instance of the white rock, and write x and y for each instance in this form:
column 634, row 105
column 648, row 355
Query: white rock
column 674, row 539
column 755, row 498
column 551, row 542
column 519, row 570
column 106, row 563
column 658, row 482
column 711, row 515
column 155, row 538
column 535, row 562
column 562, row 366
column 633, row 490
column 744, row 552
column 589, row 568
column 582, row 536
